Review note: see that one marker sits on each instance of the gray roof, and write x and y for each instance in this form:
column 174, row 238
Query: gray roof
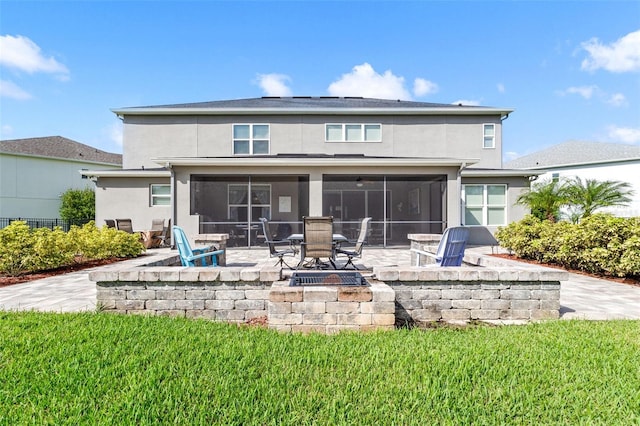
column 575, row 153
column 308, row 104
column 59, row 147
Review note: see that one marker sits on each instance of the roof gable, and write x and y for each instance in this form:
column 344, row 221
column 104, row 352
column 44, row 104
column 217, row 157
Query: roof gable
column 59, row 147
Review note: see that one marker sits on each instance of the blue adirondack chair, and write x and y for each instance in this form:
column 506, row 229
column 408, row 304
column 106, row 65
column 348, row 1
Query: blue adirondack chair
column 188, row 256
column 451, row 248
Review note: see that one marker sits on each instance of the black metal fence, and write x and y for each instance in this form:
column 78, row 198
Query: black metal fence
column 43, row 223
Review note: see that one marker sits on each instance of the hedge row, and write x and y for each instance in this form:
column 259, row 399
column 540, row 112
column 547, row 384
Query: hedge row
column 600, row 244
column 23, row 249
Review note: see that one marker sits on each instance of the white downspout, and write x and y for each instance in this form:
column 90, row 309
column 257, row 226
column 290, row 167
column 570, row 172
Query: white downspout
column 172, row 198
column 459, row 184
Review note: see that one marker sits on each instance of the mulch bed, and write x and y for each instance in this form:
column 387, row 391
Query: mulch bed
column 630, row 281
column 6, row 280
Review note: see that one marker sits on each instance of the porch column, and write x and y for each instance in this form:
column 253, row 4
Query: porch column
column 315, row 193
column 454, row 203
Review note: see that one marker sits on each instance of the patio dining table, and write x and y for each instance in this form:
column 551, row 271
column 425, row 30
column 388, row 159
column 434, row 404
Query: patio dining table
column 297, row 239
column 148, row 238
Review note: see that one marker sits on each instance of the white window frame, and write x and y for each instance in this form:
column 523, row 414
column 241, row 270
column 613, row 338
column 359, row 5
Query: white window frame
column 485, row 204
column 486, row 138
column 343, row 137
column 251, row 139
column 153, row 197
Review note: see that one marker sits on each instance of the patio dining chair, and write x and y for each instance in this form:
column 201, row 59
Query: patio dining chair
column 124, row 225
column 165, row 237
column 189, row 256
column 318, row 241
column 356, row 250
column 151, row 238
column 450, row 249
column 277, row 246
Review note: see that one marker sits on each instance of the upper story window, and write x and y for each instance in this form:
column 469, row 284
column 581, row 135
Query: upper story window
column 353, row 132
column 250, row 139
column 489, row 133
column 160, row 194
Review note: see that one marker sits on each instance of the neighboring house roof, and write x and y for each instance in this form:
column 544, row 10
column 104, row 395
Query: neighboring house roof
column 61, row 148
column 312, row 105
column 575, row 153
column 473, row 172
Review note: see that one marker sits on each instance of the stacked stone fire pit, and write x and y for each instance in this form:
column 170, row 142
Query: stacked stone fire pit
column 331, row 301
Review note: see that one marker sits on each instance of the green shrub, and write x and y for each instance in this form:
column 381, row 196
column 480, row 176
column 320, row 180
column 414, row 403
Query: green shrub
column 517, row 236
column 629, row 264
column 78, row 204
column 51, row 249
column 551, row 236
column 23, row 249
column 600, row 244
column 16, row 245
column 102, row 243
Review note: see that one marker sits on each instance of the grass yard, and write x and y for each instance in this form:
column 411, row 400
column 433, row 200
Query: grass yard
column 110, row 369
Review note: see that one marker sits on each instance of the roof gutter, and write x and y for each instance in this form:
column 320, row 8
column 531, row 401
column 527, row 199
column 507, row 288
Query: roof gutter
column 125, row 173
column 121, row 112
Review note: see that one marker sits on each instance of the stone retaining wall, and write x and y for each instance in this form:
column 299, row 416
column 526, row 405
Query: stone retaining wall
column 474, row 293
column 225, row 294
column 397, row 294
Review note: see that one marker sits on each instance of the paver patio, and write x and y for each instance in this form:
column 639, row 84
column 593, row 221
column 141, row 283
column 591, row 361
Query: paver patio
column 581, row 297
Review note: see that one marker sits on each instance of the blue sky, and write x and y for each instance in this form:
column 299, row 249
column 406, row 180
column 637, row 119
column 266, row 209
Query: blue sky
column 571, row 70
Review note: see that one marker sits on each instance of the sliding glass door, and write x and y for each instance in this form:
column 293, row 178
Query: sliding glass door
column 398, row 205
column 235, row 204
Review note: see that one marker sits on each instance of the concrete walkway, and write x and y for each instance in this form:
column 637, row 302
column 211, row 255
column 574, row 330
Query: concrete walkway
column 581, row 297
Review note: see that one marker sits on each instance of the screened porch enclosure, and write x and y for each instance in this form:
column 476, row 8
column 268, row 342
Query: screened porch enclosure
column 398, row 205
column 235, row 204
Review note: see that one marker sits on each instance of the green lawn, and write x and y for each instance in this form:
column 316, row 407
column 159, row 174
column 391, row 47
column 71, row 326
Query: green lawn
column 110, row 369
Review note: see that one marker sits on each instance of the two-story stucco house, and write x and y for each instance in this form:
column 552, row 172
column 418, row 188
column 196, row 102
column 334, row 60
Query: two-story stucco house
column 34, row 172
column 219, row 166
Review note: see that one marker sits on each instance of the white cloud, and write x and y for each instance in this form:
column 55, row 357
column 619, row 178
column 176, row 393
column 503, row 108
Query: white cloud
column 623, row 55
column 364, row 81
column 510, row 155
column 624, row 134
column 274, row 84
column 501, row 88
column 6, row 130
column 593, row 91
column 422, row 87
column 8, row 89
column 114, row 132
column 24, row 55
column 466, row 102
column 617, row 100
column 584, row 91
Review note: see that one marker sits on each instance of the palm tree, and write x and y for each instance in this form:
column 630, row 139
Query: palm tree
column 590, row 195
column 544, row 199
